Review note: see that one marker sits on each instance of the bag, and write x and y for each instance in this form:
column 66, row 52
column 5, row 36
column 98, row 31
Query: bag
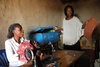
column 44, row 35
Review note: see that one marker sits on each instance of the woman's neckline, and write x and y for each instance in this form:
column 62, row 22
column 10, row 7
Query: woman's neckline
column 70, row 18
column 16, row 40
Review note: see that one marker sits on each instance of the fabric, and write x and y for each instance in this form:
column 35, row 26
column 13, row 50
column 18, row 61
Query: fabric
column 97, row 48
column 83, row 61
column 90, row 25
column 72, row 31
column 45, row 38
column 23, row 45
column 89, row 48
column 73, row 47
column 11, row 47
column 91, row 54
column 86, row 44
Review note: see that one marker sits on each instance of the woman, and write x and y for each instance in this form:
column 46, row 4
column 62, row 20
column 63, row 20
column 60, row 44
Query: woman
column 72, row 29
column 15, row 37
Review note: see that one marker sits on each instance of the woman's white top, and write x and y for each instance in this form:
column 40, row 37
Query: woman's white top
column 72, row 31
column 11, row 47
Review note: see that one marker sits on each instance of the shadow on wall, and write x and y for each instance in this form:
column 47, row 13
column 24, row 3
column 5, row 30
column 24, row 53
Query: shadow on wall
column 30, row 14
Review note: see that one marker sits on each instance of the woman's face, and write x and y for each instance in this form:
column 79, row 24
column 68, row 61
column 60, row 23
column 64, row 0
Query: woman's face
column 69, row 12
column 18, row 31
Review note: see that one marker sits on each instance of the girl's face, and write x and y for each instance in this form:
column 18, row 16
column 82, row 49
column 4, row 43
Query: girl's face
column 69, row 12
column 18, row 31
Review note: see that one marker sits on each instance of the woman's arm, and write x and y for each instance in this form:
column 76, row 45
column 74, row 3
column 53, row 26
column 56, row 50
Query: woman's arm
column 29, row 64
column 58, row 28
column 10, row 52
column 13, row 58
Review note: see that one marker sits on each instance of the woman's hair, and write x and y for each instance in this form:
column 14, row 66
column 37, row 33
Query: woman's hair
column 11, row 28
column 68, row 6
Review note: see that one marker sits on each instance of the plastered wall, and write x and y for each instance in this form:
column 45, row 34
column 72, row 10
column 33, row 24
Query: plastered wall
column 29, row 13
column 86, row 9
column 36, row 13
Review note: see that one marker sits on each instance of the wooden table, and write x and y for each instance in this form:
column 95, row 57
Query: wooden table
column 68, row 57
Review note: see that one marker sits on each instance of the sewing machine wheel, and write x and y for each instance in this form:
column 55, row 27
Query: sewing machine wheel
column 29, row 54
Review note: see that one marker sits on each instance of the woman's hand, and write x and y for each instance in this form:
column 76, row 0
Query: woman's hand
column 83, row 26
column 36, row 44
column 58, row 28
column 29, row 64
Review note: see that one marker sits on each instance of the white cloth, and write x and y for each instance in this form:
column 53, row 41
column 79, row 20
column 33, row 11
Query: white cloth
column 72, row 31
column 11, row 47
